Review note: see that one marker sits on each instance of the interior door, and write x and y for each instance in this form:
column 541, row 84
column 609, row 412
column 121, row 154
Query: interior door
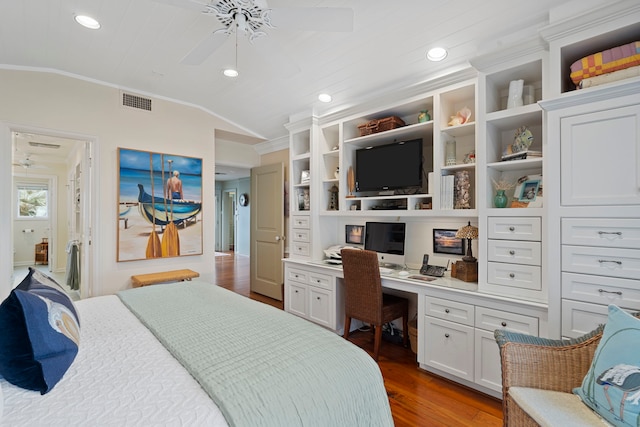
column 267, row 230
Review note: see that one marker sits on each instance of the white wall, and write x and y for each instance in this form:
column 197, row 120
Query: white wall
column 65, row 104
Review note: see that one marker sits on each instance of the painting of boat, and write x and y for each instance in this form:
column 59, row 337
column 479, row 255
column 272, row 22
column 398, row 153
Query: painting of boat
column 165, row 209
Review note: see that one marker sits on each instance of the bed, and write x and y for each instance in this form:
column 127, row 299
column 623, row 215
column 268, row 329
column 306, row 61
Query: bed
column 193, row 353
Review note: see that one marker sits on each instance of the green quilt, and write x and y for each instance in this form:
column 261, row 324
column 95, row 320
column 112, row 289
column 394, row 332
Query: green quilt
column 262, row 366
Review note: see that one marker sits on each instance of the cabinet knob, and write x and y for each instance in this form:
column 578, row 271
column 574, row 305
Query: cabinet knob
column 512, row 228
column 512, row 252
column 512, row 275
column 446, row 335
column 318, row 281
column 318, row 298
column 296, row 291
column 503, row 324
column 296, row 276
column 446, row 310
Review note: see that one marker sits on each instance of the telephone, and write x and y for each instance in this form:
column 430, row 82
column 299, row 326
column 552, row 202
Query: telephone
column 333, row 252
column 432, row 270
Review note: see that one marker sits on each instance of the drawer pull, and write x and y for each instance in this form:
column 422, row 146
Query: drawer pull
column 296, row 276
column 504, row 324
column 512, row 275
column 446, row 310
column 617, row 233
column 446, row 335
column 512, row 252
column 318, row 298
column 318, row 281
column 512, row 228
column 602, row 261
column 604, row 291
column 296, row 291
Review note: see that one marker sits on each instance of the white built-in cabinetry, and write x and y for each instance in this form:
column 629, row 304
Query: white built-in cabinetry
column 549, row 269
column 597, row 203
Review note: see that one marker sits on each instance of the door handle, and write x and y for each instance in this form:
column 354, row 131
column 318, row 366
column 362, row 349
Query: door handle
column 278, row 238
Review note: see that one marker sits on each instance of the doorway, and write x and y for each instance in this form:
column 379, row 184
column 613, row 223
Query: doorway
column 229, row 220
column 63, row 163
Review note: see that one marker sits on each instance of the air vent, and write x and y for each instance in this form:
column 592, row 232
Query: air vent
column 134, row 101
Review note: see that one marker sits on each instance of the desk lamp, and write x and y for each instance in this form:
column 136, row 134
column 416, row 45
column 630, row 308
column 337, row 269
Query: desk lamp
column 468, row 232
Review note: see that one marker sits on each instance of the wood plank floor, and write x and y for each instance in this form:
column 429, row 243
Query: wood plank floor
column 417, row 398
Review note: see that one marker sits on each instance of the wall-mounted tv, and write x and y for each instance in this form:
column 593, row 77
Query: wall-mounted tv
column 390, row 166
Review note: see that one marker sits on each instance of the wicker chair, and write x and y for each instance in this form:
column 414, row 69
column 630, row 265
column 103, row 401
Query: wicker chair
column 363, row 297
column 533, row 362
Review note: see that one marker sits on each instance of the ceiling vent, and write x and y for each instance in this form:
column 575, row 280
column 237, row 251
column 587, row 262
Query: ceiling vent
column 134, row 101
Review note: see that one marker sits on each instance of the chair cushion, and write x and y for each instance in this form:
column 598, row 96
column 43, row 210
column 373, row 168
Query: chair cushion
column 40, row 333
column 612, row 384
column 554, row 408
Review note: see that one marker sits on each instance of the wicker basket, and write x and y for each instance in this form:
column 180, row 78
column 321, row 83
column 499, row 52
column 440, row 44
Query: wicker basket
column 413, row 334
column 380, row 125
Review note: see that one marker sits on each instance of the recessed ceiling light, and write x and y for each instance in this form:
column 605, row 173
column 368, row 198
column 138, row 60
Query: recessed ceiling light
column 436, row 54
column 324, row 97
column 230, row 72
column 87, row 21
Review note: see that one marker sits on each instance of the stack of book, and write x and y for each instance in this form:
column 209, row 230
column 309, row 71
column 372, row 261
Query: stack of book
column 526, row 154
column 447, row 186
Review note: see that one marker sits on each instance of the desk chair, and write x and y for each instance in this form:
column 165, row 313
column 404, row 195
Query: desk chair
column 363, row 297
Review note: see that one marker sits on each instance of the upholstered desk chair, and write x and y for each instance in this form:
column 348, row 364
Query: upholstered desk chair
column 363, row 297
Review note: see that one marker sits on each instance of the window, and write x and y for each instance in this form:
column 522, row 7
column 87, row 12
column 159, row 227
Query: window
column 33, row 200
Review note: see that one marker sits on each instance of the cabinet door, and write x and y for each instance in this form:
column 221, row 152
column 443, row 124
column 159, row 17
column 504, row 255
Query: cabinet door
column 488, row 371
column 296, row 299
column 321, row 306
column 448, row 347
column 600, row 157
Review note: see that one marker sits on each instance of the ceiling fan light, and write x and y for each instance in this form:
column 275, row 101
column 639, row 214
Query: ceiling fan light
column 230, row 72
column 324, row 97
column 87, row 22
column 436, row 54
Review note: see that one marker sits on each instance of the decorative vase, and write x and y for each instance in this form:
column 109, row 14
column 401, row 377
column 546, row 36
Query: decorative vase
column 424, row 116
column 500, row 200
column 450, row 153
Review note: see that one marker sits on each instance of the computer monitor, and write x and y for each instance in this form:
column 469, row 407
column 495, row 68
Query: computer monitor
column 387, row 239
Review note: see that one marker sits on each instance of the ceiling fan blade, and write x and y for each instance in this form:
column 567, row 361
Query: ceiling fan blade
column 185, row 4
column 331, row 19
column 205, row 48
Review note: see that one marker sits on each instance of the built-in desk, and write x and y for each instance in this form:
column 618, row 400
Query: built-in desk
column 455, row 321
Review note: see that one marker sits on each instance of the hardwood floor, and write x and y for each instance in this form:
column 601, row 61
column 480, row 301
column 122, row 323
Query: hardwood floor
column 417, row 398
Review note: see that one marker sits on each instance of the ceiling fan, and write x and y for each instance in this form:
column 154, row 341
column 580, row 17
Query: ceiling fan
column 251, row 17
column 28, row 163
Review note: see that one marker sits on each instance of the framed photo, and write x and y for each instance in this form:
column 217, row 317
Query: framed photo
column 159, row 205
column 354, row 234
column 446, row 242
column 528, row 192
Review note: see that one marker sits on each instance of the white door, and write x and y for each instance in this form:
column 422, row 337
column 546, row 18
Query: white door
column 267, row 230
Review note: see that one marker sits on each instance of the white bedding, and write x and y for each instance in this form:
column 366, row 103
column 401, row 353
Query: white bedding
column 121, row 376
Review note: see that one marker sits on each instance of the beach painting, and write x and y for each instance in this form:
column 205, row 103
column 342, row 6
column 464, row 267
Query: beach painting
column 159, row 205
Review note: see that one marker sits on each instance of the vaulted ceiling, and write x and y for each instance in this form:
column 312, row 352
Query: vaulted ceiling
column 141, row 44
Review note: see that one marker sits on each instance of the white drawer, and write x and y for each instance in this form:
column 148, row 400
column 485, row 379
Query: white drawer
column 300, row 235
column 525, row 228
column 448, row 346
column 515, row 275
column 491, row 320
column 579, row 318
column 300, row 248
column 624, row 263
column 450, row 310
column 299, row 221
column 516, row 252
column 320, row 280
column 601, row 290
column 300, row 276
column 608, row 232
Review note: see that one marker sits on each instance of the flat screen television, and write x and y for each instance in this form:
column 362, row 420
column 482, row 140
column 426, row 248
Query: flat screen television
column 387, row 239
column 389, row 167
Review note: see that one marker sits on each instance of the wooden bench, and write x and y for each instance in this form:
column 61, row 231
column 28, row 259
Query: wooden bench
column 164, row 276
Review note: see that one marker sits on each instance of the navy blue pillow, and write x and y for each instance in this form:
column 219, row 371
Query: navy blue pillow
column 40, row 333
